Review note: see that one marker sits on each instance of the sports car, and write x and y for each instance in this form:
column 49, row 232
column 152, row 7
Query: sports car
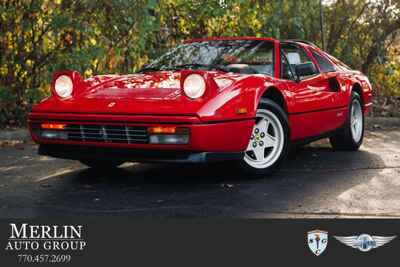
column 242, row 100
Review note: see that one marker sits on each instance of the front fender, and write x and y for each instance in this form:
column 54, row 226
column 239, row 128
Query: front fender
column 243, row 95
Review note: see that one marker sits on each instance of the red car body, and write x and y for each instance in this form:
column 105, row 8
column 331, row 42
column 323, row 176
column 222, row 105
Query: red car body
column 219, row 123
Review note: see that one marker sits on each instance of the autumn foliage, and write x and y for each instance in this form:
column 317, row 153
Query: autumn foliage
column 38, row 37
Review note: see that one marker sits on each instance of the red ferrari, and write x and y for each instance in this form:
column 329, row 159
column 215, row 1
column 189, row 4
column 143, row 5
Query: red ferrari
column 241, row 99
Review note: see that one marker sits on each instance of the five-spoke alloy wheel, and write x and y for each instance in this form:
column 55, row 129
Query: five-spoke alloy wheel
column 268, row 142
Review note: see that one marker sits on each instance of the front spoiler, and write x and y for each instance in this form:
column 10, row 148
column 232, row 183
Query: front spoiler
column 137, row 155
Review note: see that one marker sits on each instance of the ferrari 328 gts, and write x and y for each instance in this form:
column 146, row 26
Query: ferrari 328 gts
column 242, row 99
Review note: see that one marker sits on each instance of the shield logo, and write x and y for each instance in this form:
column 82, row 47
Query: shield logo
column 317, row 241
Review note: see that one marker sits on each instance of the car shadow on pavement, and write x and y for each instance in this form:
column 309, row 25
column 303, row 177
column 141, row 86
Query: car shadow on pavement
column 308, row 180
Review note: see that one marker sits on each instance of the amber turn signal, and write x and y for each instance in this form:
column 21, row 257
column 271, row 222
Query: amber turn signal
column 241, row 111
column 53, row 126
column 161, row 130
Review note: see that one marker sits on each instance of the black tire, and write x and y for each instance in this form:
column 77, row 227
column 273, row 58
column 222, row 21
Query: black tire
column 343, row 138
column 101, row 164
column 269, row 105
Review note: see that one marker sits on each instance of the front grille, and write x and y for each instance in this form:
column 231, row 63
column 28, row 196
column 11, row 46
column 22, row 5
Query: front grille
column 107, row 133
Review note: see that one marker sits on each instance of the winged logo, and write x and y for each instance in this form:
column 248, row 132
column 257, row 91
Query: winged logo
column 365, row 242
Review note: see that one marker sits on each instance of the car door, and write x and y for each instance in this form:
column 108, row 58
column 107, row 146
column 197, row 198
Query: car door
column 315, row 110
column 335, row 77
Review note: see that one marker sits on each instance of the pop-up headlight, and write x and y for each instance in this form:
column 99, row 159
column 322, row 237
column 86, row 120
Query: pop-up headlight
column 63, row 86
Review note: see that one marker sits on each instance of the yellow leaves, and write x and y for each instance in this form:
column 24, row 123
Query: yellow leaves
column 3, row 70
column 39, row 21
column 95, row 63
column 45, row 89
column 28, row 48
column 17, row 68
column 397, row 74
column 385, row 78
column 380, row 76
column 182, row 25
column 9, row 36
column 23, row 74
column 141, row 61
column 88, row 73
column 92, row 41
column 48, row 43
column 97, row 31
column 29, row 63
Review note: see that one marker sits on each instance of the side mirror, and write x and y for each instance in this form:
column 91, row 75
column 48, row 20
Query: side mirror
column 305, row 69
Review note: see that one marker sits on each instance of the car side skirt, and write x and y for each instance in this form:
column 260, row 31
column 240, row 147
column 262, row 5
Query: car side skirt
column 314, row 123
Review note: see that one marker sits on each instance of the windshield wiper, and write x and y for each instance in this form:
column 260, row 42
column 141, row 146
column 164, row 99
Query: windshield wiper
column 183, row 66
column 197, row 65
column 147, row 69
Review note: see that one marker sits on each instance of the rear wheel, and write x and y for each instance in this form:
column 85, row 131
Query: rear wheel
column 268, row 144
column 351, row 135
column 102, row 164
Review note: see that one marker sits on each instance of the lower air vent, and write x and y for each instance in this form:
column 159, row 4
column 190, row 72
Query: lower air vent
column 106, row 133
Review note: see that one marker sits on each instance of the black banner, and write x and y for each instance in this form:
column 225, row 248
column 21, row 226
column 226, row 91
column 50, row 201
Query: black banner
column 212, row 242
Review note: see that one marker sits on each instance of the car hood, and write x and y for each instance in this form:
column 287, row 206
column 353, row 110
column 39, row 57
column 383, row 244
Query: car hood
column 159, row 85
column 151, row 93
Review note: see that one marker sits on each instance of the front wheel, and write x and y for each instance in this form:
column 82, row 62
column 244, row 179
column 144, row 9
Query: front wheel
column 268, row 144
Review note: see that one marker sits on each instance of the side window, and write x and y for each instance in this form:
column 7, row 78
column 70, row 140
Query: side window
column 323, row 63
column 294, row 55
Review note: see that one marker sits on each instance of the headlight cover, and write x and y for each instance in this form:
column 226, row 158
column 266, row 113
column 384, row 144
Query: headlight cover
column 194, row 86
column 63, row 86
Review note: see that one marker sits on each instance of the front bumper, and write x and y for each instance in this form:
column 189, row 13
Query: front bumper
column 206, row 139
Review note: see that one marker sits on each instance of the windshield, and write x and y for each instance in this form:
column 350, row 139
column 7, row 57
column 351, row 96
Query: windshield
column 239, row 56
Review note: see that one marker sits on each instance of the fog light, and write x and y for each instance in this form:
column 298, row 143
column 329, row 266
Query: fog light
column 169, row 139
column 54, row 135
column 168, row 135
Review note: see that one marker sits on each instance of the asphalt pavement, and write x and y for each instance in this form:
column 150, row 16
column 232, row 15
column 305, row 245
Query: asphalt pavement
column 314, row 181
